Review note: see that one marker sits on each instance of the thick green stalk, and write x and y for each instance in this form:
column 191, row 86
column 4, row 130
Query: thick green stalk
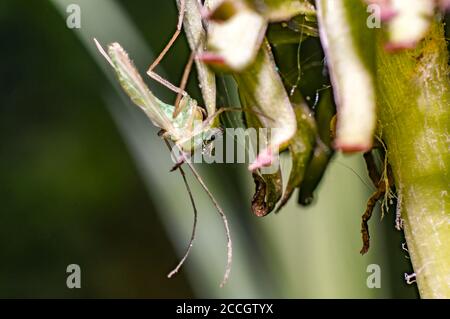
column 414, row 98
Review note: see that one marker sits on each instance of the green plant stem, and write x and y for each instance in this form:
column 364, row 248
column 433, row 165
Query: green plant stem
column 414, row 113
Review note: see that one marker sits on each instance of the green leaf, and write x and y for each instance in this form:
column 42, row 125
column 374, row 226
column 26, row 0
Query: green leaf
column 300, row 148
column 314, row 172
column 323, row 151
column 269, row 187
column 265, row 95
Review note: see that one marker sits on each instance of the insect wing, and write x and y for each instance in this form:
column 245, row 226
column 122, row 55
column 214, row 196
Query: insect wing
column 134, row 86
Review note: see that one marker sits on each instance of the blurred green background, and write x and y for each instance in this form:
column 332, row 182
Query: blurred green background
column 85, row 180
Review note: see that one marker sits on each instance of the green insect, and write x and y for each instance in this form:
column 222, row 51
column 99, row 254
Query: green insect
column 186, row 129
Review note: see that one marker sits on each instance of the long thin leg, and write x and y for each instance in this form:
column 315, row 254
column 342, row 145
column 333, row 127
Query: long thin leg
column 184, row 79
column 166, row 49
column 209, row 119
column 224, row 219
column 217, row 206
column 194, row 227
column 160, row 79
column 174, row 37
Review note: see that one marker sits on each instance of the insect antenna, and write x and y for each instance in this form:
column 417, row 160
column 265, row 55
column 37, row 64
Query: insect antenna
column 225, row 223
column 219, row 209
column 194, row 226
column 221, row 214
